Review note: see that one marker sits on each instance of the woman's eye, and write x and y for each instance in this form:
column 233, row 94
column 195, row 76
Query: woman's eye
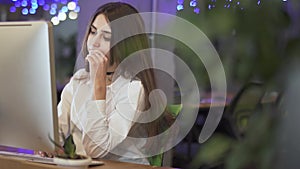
column 93, row 31
column 106, row 38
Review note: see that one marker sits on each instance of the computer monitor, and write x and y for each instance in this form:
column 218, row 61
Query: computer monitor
column 27, row 85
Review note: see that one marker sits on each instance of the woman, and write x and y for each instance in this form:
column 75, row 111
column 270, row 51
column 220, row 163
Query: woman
column 99, row 104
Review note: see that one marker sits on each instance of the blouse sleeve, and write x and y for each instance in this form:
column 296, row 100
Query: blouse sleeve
column 63, row 109
column 104, row 130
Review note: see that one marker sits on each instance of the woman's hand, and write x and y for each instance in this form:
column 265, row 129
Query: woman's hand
column 98, row 67
column 44, row 154
column 47, row 154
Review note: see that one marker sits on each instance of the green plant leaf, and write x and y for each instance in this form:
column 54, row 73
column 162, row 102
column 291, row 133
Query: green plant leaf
column 70, row 147
column 212, row 151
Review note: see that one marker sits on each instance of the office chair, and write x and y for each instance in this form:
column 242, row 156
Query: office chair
column 244, row 104
column 232, row 127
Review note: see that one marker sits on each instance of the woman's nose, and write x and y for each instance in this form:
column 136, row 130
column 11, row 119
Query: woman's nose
column 96, row 41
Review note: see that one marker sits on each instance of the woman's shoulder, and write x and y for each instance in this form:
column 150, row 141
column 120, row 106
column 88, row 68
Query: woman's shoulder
column 80, row 74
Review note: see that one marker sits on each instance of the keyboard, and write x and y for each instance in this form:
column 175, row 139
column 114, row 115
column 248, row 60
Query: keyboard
column 39, row 159
column 29, row 157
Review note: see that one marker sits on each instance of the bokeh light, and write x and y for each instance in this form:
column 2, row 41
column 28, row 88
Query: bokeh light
column 58, row 10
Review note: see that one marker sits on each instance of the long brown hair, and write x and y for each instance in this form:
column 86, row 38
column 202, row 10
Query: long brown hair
column 122, row 49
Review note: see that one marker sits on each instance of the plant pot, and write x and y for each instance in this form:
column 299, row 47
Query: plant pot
column 73, row 163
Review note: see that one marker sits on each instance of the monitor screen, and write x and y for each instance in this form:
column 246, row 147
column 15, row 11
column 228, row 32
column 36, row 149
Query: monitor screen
column 27, row 85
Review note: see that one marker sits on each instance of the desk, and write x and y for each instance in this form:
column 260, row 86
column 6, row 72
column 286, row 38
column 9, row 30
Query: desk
column 11, row 163
column 189, row 146
column 207, row 101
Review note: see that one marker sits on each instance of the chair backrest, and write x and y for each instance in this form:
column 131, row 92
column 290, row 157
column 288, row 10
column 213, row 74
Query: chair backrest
column 240, row 114
column 247, row 101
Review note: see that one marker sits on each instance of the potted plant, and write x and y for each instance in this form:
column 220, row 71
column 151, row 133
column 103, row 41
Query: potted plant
column 67, row 156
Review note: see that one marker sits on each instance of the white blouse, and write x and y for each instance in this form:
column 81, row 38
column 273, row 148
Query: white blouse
column 100, row 127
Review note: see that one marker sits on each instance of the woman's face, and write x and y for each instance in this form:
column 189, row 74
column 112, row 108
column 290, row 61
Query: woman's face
column 99, row 36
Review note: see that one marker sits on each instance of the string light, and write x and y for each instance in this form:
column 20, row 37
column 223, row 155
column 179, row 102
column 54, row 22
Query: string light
column 212, row 4
column 180, row 5
column 258, row 2
column 12, row 9
column 197, row 10
column 24, row 11
column 73, row 15
column 193, row 3
column 59, row 10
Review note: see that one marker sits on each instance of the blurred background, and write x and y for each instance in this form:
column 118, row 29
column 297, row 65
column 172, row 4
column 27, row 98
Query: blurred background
column 257, row 40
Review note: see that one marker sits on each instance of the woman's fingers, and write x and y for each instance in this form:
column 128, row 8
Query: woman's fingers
column 97, row 58
column 98, row 65
column 57, row 152
column 43, row 154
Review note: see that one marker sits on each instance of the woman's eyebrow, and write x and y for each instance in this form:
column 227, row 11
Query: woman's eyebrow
column 104, row 31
